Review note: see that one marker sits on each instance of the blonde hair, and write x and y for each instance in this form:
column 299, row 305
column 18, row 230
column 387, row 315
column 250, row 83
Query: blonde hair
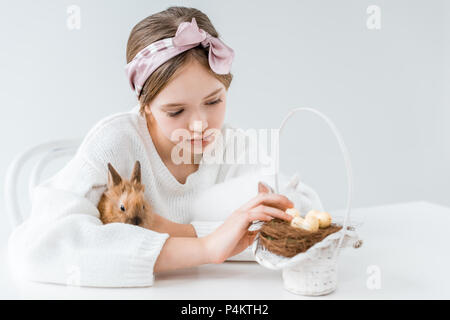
column 163, row 25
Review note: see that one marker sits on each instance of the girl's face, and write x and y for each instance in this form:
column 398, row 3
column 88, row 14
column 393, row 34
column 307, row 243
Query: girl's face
column 192, row 104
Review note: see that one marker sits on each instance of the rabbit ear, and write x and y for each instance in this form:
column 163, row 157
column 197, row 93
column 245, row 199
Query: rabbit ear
column 293, row 182
column 136, row 174
column 264, row 188
column 113, row 177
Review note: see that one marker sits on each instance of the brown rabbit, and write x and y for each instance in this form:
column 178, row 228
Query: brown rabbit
column 124, row 200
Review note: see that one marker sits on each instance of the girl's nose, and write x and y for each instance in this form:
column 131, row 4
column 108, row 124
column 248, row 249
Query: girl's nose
column 197, row 127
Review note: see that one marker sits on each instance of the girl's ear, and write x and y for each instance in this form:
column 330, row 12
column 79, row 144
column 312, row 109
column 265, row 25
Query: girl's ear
column 113, row 177
column 136, row 174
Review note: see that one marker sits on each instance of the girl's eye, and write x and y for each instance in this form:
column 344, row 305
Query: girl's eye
column 122, row 207
column 214, row 102
column 174, row 114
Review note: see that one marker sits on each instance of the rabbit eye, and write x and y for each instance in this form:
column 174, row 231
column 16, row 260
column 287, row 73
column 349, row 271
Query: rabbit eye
column 143, row 207
column 122, row 207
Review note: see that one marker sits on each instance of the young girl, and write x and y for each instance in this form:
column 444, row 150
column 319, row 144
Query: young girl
column 180, row 71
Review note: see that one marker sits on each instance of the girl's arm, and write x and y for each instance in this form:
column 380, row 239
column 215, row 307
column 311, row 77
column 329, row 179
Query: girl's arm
column 228, row 240
column 182, row 252
column 163, row 225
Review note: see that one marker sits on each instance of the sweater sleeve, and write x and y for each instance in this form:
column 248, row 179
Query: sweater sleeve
column 237, row 184
column 63, row 240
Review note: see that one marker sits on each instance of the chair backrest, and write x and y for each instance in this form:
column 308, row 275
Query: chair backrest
column 48, row 151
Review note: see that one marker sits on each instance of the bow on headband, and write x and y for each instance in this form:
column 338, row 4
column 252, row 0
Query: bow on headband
column 188, row 36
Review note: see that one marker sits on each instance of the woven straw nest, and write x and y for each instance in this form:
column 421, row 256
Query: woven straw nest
column 279, row 237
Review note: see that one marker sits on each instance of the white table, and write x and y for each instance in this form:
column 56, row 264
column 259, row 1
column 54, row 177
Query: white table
column 412, row 259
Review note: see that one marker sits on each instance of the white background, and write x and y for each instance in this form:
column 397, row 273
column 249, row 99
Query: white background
column 387, row 90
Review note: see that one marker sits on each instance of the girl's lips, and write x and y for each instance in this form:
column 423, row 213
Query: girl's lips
column 201, row 142
column 207, row 138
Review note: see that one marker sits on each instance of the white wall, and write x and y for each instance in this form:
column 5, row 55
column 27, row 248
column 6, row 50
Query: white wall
column 439, row 181
column 387, row 90
column 437, row 138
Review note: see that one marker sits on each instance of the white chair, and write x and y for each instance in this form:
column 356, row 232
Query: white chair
column 48, row 151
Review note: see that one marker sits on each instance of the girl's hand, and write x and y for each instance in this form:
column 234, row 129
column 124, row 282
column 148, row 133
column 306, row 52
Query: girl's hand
column 232, row 237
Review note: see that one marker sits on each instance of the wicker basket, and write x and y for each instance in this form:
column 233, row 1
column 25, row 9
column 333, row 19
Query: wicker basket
column 312, row 270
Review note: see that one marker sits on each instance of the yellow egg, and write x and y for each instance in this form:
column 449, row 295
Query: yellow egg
column 323, row 217
column 312, row 213
column 293, row 212
column 311, row 223
column 297, row 222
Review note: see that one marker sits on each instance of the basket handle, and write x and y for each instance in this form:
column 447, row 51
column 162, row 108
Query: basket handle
column 345, row 154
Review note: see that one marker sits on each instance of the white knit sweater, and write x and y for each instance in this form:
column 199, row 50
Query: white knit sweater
column 63, row 240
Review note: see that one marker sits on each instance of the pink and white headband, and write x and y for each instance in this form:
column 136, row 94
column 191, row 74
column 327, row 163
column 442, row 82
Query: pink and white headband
column 188, row 36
